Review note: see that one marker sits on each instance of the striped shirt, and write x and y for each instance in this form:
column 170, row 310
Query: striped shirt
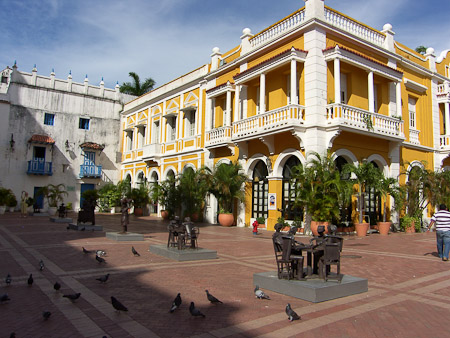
column 442, row 220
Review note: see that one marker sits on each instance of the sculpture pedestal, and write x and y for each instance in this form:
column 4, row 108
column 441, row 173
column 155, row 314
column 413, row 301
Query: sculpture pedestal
column 128, row 236
column 85, row 227
column 183, row 255
column 61, row 220
column 312, row 290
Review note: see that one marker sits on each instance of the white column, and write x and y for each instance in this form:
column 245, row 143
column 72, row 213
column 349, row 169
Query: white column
column 398, row 98
column 228, row 115
column 294, row 99
column 371, row 93
column 337, row 81
column 447, row 118
column 236, row 103
column 208, row 114
column 262, row 93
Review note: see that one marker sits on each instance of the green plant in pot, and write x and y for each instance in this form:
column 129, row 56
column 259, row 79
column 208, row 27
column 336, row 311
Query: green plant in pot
column 54, row 195
column 11, row 201
column 167, row 195
column 140, row 197
column 109, row 197
column 386, row 186
column 193, row 187
column 261, row 221
column 227, row 185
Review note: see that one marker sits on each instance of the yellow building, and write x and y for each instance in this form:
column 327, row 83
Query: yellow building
column 316, row 80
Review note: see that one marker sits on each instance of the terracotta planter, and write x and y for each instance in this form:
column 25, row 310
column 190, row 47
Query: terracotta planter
column 315, row 225
column 384, row 227
column 261, row 225
column 138, row 211
column 164, row 214
column 410, row 229
column 226, row 220
column 361, row 229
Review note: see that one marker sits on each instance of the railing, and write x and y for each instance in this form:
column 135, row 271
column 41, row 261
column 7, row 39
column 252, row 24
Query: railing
column 87, row 170
column 151, row 150
column 291, row 115
column 445, row 141
column 36, row 167
column 280, row 28
column 414, row 136
column 364, row 120
column 217, row 136
column 353, row 27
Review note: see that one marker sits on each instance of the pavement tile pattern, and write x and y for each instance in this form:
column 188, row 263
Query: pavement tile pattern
column 409, row 286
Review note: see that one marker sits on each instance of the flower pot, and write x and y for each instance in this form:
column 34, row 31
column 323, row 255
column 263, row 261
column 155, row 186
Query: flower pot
column 52, row 211
column 138, row 211
column 361, row 229
column 11, row 209
column 164, row 214
column 383, row 228
column 411, row 229
column 261, row 225
column 2, row 209
column 315, row 225
column 226, row 220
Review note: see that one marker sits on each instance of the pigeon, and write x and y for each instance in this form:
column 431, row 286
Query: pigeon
column 46, row 314
column 30, row 280
column 41, row 265
column 260, row 294
column 86, row 251
column 133, row 250
column 211, row 298
column 100, row 253
column 291, row 313
column 99, row 259
column 118, row 305
column 176, row 303
column 104, row 278
column 73, row 297
column 8, row 279
column 195, row 312
column 4, row 298
column 57, row 286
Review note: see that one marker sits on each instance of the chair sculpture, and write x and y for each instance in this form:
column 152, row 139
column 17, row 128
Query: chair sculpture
column 175, row 229
column 332, row 247
column 289, row 266
column 191, row 234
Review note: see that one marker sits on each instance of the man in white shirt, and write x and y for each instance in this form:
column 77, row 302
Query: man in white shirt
column 442, row 221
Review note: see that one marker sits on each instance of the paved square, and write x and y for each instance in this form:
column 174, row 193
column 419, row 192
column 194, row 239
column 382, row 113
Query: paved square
column 409, row 294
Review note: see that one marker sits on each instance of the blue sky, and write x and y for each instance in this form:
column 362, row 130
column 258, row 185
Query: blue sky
column 164, row 39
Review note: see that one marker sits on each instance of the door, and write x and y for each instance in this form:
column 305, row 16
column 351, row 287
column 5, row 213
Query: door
column 38, row 198
column 38, row 163
column 84, row 187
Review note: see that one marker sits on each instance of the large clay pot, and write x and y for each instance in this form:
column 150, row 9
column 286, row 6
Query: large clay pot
column 226, row 220
column 361, row 229
column 315, row 225
column 164, row 214
column 384, row 227
column 138, row 211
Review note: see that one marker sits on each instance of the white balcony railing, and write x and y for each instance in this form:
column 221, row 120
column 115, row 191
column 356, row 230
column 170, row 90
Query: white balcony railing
column 414, row 136
column 274, row 120
column 151, row 150
column 354, row 27
column 218, row 136
column 340, row 114
column 445, row 141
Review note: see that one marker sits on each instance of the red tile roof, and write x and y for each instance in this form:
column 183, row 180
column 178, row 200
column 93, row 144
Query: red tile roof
column 44, row 139
column 92, row 145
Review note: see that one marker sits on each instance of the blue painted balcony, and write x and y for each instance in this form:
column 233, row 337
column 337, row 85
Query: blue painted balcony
column 92, row 171
column 36, row 167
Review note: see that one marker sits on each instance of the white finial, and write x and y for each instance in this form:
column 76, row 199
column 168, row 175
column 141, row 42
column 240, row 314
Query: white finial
column 387, row 27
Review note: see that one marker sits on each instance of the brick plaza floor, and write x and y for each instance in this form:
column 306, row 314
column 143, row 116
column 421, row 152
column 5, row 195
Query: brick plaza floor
column 409, row 287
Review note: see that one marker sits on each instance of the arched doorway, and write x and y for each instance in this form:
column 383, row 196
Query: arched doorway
column 345, row 209
column 372, row 202
column 260, row 190
column 153, row 180
column 288, row 193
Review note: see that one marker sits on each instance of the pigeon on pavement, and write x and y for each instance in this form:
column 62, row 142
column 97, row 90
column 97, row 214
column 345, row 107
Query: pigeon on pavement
column 30, row 280
column 194, row 311
column 103, row 279
column 260, row 294
column 57, row 286
column 46, row 314
column 291, row 313
column 100, row 259
column 8, row 279
column 41, row 265
column 73, row 297
column 118, row 305
column 176, row 303
column 4, row 298
column 100, row 253
column 133, row 250
column 211, row 298
column 86, row 251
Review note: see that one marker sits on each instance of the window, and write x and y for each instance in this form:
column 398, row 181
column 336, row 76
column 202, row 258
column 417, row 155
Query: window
column 39, row 153
column 49, row 119
column 288, row 193
column 129, row 140
column 83, row 124
column 412, row 112
column 155, row 132
column 343, row 88
column 141, row 137
column 171, row 128
column 190, row 123
column 4, row 79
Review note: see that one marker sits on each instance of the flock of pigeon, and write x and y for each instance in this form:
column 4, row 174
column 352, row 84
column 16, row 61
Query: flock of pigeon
column 117, row 305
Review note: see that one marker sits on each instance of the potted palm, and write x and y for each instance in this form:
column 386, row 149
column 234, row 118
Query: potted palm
column 193, row 187
column 227, row 183
column 11, row 201
column 140, row 197
column 167, row 195
column 3, row 198
column 54, row 195
column 386, row 186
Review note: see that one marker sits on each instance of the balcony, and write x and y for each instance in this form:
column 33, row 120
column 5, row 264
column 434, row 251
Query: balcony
column 152, row 153
column 443, row 93
column 37, row 167
column 445, row 142
column 359, row 120
column 271, row 122
column 90, row 171
column 218, row 137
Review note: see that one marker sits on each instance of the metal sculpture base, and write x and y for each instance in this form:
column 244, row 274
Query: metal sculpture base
column 61, row 220
column 123, row 237
column 312, row 290
column 183, row 255
column 85, row 227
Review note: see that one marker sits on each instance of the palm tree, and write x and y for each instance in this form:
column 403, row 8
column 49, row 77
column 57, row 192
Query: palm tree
column 137, row 88
column 421, row 50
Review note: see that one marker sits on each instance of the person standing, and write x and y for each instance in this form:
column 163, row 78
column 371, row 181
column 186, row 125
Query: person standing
column 23, row 204
column 442, row 221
